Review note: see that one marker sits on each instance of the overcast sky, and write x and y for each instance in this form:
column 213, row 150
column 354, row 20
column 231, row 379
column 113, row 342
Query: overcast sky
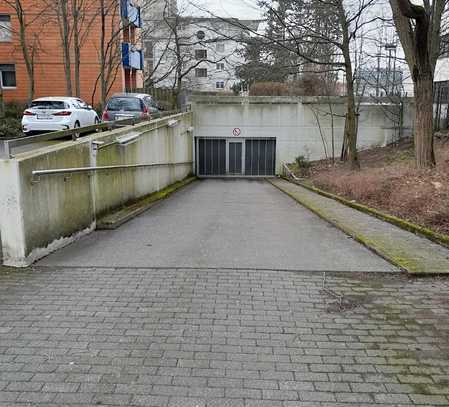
column 229, row 8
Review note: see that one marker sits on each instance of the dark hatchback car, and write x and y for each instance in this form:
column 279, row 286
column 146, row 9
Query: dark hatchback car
column 131, row 105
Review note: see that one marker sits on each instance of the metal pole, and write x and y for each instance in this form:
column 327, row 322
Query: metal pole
column 389, row 71
column 394, row 74
column 378, row 73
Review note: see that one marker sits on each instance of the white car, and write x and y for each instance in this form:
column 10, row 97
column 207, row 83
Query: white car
column 57, row 113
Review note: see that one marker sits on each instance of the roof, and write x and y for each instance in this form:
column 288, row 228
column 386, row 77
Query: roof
column 57, row 98
column 135, row 95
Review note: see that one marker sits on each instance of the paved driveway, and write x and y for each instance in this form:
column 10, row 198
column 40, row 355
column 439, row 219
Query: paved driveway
column 224, row 224
column 221, row 338
column 111, row 330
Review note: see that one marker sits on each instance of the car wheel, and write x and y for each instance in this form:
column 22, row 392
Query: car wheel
column 97, row 121
column 76, row 134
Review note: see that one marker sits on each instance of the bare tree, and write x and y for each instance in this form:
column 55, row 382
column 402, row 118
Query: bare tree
column 75, row 19
column 174, row 36
column 419, row 29
column 109, row 51
column 83, row 13
column 62, row 12
column 322, row 34
column 28, row 38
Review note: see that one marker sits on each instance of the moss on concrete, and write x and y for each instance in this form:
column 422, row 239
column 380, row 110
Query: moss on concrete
column 401, row 257
column 123, row 214
column 402, row 223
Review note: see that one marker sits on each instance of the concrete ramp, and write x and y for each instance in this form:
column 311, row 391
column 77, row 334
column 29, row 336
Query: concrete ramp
column 217, row 223
column 51, row 196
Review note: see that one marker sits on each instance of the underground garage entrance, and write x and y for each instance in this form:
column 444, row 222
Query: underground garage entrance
column 250, row 157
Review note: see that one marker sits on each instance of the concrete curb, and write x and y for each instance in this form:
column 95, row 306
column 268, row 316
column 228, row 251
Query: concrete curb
column 398, row 258
column 401, row 223
column 117, row 218
column 338, row 225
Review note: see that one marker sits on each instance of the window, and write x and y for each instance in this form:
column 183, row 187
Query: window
column 220, row 66
column 200, row 54
column 82, row 104
column 151, row 102
column 148, row 49
column 219, row 85
column 48, row 104
column 201, row 35
column 127, row 104
column 201, row 72
column 220, row 47
column 5, row 28
column 8, row 75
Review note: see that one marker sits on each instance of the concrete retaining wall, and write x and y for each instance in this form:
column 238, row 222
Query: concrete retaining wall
column 39, row 217
column 299, row 123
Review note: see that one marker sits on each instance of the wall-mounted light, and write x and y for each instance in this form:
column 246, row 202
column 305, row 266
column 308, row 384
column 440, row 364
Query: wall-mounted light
column 172, row 123
column 128, row 139
column 190, row 129
column 96, row 144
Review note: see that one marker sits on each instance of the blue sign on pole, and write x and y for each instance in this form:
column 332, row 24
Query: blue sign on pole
column 131, row 58
column 131, row 12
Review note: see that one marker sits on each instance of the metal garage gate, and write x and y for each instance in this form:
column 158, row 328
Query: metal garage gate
column 211, row 157
column 235, row 157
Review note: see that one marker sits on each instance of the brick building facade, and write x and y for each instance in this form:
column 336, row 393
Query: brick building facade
column 43, row 39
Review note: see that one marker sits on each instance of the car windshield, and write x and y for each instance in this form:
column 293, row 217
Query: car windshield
column 47, row 104
column 124, row 103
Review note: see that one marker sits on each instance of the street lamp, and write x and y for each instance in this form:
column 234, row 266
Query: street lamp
column 390, row 47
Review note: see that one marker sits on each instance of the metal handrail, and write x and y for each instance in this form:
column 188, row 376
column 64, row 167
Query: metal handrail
column 290, row 172
column 38, row 173
column 7, row 145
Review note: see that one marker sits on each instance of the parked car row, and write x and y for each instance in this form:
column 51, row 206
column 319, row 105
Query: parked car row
column 62, row 113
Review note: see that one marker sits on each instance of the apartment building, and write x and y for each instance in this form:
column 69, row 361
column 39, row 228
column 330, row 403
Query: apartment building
column 199, row 53
column 40, row 63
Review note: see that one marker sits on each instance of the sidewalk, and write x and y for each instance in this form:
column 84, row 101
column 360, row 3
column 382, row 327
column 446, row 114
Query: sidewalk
column 410, row 252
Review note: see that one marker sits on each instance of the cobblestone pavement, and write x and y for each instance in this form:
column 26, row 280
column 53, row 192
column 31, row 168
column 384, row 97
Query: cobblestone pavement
column 231, row 338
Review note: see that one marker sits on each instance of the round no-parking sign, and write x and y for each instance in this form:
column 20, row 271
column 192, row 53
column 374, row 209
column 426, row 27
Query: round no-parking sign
column 236, row 132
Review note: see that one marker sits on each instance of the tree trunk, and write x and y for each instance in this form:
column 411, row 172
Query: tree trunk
column 424, row 153
column 28, row 59
column 76, row 47
column 179, row 74
column 178, row 93
column 66, row 46
column 30, row 72
column 103, row 85
column 2, row 104
column 351, row 132
column 350, row 135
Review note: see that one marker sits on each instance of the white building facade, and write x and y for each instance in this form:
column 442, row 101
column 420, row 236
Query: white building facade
column 194, row 53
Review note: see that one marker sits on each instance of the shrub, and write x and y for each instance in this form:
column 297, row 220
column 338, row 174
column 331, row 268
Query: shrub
column 14, row 110
column 10, row 127
column 269, row 89
column 303, row 165
column 311, row 84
